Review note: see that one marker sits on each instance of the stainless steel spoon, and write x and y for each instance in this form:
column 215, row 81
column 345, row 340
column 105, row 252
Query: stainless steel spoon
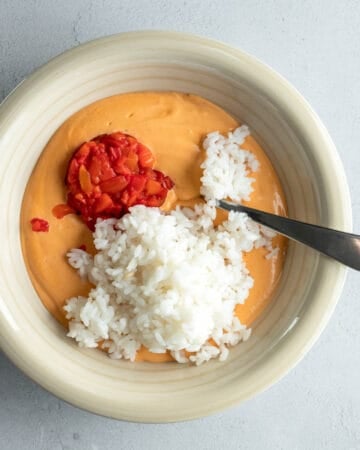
column 344, row 247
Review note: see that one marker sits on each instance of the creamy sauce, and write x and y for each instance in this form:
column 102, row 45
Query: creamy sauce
column 173, row 126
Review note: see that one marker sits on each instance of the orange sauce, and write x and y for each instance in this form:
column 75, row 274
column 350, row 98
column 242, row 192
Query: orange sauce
column 173, row 126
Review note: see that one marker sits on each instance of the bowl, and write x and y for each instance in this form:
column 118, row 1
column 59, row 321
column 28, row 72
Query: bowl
column 315, row 187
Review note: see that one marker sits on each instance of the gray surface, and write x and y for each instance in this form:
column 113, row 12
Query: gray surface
column 316, row 45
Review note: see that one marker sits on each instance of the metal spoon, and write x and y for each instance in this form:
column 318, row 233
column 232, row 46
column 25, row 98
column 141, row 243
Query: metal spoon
column 344, row 247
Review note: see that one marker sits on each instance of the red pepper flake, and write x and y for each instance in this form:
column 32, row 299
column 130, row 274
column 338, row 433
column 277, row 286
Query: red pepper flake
column 39, row 225
column 82, row 247
column 111, row 173
column 61, row 210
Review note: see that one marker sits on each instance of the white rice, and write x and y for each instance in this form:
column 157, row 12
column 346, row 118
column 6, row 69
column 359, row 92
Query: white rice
column 227, row 167
column 171, row 281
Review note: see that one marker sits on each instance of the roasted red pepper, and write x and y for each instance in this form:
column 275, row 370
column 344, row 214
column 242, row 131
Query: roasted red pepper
column 61, row 210
column 39, row 224
column 109, row 174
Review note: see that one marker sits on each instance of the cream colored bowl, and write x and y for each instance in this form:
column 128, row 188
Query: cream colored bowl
column 315, row 186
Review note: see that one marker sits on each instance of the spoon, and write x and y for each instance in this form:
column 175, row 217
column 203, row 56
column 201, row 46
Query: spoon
column 341, row 246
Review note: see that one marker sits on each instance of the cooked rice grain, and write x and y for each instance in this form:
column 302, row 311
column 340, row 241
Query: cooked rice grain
column 171, row 281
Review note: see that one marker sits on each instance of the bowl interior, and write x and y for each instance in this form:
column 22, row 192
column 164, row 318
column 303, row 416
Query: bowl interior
column 315, row 189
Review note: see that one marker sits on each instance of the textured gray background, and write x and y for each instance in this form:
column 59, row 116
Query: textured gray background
column 316, row 45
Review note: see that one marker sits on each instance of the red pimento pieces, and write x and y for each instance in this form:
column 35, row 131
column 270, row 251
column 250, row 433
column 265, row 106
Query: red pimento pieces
column 61, row 210
column 39, row 225
column 111, row 173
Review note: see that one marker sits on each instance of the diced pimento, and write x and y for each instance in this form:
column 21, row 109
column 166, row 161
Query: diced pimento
column 111, row 173
column 39, row 225
column 153, row 187
column 85, row 180
column 138, row 183
column 146, row 158
column 114, row 185
column 132, row 161
column 61, row 210
column 103, row 203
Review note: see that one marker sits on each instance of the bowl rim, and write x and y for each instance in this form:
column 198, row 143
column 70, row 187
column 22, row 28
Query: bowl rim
column 8, row 340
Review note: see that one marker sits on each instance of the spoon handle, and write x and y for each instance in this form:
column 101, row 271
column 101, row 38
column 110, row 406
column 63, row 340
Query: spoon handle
column 344, row 247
